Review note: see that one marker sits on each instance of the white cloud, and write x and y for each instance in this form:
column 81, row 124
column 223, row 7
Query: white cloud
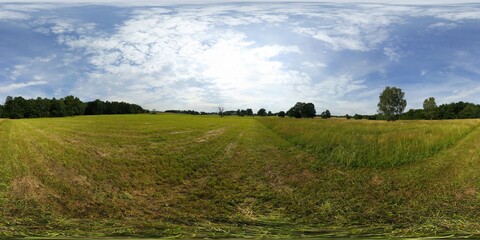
column 442, row 26
column 455, row 14
column 60, row 27
column 340, row 85
column 15, row 86
column 184, row 56
column 12, row 15
column 17, row 71
column 464, row 94
column 349, row 29
column 314, row 64
column 393, row 53
column 26, row 68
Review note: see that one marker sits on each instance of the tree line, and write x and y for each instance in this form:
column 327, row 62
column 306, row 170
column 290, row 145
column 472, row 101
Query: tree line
column 392, row 104
column 19, row 107
column 455, row 110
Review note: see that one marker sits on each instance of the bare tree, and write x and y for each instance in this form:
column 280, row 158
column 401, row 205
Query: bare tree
column 220, row 111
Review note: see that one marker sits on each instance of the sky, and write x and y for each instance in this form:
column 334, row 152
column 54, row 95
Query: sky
column 195, row 55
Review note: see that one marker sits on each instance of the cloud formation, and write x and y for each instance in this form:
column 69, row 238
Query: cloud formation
column 166, row 55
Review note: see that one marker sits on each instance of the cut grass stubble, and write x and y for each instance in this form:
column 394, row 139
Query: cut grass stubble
column 181, row 175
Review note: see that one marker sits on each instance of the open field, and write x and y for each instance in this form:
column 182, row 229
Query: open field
column 181, row 175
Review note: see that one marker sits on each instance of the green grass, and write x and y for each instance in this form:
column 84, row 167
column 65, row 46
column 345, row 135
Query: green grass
column 376, row 144
column 199, row 176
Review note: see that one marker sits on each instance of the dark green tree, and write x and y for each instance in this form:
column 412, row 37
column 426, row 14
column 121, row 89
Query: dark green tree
column 413, row 114
column 73, row 106
column 296, row 110
column 357, row 116
column 392, row 103
column 470, row 111
column 309, row 111
column 15, row 107
column 281, row 114
column 95, row 108
column 57, row 108
column 262, row 112
column 326, row 114
column 249, row 112
column 302, row 110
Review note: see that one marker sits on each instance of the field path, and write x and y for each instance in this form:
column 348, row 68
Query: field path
column 454, row 170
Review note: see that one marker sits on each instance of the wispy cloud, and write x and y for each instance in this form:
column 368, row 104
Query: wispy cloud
column 442, row 26
column 15, row 86
column 12, row 15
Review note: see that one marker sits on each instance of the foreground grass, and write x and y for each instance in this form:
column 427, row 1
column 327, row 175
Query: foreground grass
column 179, row 175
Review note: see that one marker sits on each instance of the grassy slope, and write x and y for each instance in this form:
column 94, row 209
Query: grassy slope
column 195, row 176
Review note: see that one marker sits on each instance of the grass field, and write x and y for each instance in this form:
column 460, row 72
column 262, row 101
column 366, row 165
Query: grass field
column 193, row 176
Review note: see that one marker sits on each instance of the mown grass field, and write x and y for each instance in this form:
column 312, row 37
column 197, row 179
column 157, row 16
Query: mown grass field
column 193, row 176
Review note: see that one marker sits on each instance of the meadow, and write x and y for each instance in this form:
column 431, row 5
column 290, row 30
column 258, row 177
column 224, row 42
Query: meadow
column 206, row 176
column 375, row 144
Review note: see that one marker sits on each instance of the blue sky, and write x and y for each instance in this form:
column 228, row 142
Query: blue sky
column 190, row 55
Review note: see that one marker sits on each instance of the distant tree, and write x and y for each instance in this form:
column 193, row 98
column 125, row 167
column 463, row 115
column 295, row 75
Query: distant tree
column 249, row 112
column 470, row 111
column 430, row 108
column 392, row 103
column 281, row 114
column 374, row 117
column 302, row 110
column 57, row 108
column 357, row 116
column 262, row 112
column 326, row 114
column 309, row 111
column 229, row 113
column 73, row 106
column 296, row 110
column 95, row 108
column 192, row 112
column 454, row 110
column 347, row 116
column 270, row 113
column 15, row 107
column 413, row 114
column 42, row 107
column 19, row 107
column 220, row 111
column 451, row 110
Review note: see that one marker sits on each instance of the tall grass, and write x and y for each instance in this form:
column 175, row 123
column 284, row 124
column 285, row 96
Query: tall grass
column 376, row 144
